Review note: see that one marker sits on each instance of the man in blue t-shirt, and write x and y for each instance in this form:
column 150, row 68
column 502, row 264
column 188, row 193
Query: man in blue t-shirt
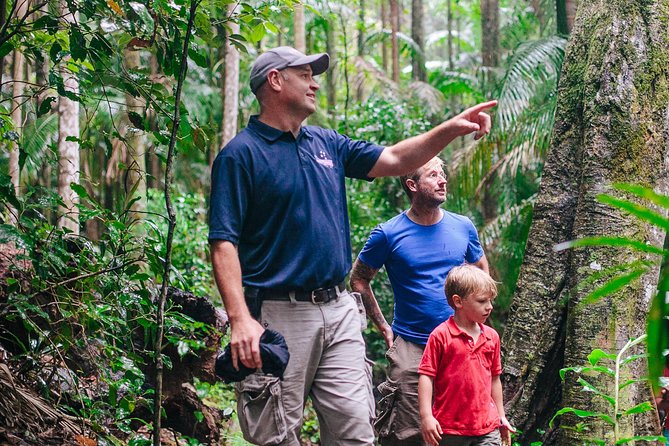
column 280, row 249
column 418, row 248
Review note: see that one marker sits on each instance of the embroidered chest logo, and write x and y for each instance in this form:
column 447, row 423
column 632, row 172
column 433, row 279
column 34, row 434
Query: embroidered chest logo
column 323, row 160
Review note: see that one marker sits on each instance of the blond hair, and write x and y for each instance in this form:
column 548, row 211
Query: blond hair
column 465, row 280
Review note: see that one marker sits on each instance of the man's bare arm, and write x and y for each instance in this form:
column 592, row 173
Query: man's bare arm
column 411, row 153
column 361, row 277
column 245, row 331
column 482, row 263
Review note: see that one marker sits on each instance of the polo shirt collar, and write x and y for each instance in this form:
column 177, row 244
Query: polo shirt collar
column 270, row 133
column 457, row 331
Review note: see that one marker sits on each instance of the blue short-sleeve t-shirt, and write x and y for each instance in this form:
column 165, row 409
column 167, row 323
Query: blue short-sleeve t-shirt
column 417, row 259
column 282, row 201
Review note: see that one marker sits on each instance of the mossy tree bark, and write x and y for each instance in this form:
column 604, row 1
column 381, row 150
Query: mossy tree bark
column 611, row 126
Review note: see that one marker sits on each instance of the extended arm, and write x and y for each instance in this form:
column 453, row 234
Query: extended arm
column 411, row 153
column 429, row 426
column 505, row 427
column 245, row 331
column 361, row 277
column 482, row 263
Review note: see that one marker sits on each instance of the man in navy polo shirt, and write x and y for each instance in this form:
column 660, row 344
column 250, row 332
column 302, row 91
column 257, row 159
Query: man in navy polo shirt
column 280, row 249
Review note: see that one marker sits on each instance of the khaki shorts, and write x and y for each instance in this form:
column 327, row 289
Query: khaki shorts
column 492, row 439
column 398, row 420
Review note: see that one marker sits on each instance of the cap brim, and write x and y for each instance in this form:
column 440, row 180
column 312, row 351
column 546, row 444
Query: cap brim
column 319, row 62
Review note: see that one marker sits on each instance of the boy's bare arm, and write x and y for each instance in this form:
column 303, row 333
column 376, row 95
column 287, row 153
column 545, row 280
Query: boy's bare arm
column 361, row 276
column 429, row 426
column 505, row 428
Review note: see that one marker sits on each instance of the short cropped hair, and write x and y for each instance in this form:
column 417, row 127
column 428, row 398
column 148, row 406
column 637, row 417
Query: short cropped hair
column 414, row 175
column 465, row 280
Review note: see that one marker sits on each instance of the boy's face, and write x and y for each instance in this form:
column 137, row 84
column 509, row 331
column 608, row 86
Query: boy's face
column 475, row 307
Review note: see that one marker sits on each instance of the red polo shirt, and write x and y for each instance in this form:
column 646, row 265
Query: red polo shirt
column 462, row 372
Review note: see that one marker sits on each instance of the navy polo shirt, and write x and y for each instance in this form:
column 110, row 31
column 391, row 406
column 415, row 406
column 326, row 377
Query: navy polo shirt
column 282, row 201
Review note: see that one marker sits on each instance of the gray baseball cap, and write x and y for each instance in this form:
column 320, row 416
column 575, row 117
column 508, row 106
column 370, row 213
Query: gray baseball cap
column 284, row 57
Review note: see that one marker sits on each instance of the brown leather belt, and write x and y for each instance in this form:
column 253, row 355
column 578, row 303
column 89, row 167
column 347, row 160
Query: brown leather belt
column 318, row 296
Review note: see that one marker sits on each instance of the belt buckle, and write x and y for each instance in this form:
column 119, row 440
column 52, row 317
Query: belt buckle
column 312, row 295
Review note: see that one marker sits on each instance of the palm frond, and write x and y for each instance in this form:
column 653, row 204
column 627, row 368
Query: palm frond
column 432, row 98
column 493, row 230
column 35, row 137
column 532, row 65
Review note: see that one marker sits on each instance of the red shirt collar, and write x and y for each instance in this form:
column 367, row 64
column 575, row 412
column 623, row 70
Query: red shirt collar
column 457, row 331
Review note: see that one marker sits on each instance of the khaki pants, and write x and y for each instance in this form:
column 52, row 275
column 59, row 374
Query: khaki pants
column 398, row 419
column 328, row 364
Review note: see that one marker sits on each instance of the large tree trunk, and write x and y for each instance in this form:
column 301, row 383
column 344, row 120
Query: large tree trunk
column 418, row 35
column 68, row 151
column 395, row 28
column 231, row 86
column 610, row 127
column 490, row 33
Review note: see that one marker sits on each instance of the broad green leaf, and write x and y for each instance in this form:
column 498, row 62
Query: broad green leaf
column 611, row 241
column 598, row 354
column 257, row 33
column 644, row 192
column 632, row 358
column 613, row 285
column 599, row 369
column 641, row 438
column 79, row 190
column 639, row 211
column 582, row 414
column 591, row 388
column 640, row 408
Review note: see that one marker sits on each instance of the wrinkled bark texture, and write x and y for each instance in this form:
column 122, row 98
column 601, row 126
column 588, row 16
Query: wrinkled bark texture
column 611, row 126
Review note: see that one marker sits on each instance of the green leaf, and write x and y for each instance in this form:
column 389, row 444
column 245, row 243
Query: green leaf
column 45, row 106
column 639, row 211
column 77, row 43
column 599, row 369
column 628, row 382
column 79, row 190
column 642, row 438
column 611, row 241
column 582, row 414
column 646, row 406
column 136, row 120
column 257, row 33
column 591, row 388
column 200, row 58
column 6, row 48
column 597, row 355
column 613, row 285
column 633, row 358
column 644, row 192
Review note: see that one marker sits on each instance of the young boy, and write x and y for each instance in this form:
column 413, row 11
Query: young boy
column 459, row 388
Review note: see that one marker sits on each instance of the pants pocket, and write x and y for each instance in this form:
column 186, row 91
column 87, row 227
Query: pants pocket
column 385, row 409
column 261, row 415
column 361, row 309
